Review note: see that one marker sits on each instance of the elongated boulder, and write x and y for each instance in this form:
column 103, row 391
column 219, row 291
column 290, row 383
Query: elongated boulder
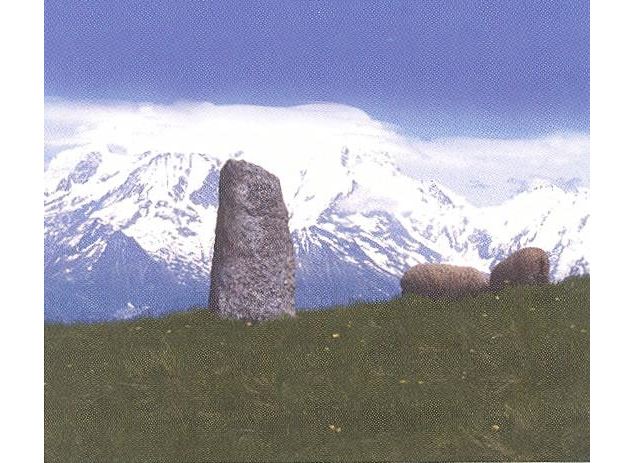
column 443, row 281
column 527, row 266
column 253, row 267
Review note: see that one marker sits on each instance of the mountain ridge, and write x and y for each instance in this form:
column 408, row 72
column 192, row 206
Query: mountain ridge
column 358, row 222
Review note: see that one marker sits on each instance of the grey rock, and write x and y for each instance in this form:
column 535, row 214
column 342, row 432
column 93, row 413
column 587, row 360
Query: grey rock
column 253, row 267
column 527, row 266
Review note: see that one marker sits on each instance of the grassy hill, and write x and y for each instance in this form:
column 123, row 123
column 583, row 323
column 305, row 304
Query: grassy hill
column 503, row 376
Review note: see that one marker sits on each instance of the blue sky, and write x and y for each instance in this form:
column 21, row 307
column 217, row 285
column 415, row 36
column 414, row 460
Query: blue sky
column 433, row 68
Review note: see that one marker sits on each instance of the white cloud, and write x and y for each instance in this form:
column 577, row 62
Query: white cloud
column 486, row 171
column 197, row 126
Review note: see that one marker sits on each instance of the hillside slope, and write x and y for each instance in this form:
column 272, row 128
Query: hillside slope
column 504, row 376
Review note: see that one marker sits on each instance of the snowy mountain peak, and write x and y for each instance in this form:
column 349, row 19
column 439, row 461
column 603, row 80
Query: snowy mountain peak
column 126, row 223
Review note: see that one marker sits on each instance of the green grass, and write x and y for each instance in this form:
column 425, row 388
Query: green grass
column 503, row 376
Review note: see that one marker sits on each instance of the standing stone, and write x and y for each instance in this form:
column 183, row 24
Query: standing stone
column 253, row 265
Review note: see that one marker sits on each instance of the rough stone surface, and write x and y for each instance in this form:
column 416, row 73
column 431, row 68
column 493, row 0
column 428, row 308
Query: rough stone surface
column 526, row 266
column 253, row 268
column 443, row 281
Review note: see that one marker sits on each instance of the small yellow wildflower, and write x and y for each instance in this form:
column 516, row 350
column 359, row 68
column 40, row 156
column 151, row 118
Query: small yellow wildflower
column 403, row 381
column 168, row 331
column 327, row 349
column 495, row 427
column 338, row 429
column 419, row 382
column 335, row 335
column 496, row 297
column 248, row 323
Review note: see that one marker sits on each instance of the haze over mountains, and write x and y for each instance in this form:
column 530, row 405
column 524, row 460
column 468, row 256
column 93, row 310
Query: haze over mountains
column 131, row 199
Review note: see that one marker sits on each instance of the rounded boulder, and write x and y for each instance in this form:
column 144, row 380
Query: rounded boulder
column 527, row 266
column 443, row 281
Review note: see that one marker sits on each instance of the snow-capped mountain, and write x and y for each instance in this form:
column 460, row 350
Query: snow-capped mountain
column 130, row 231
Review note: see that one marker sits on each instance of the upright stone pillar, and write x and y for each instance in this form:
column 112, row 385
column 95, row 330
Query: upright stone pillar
column 253, row 267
